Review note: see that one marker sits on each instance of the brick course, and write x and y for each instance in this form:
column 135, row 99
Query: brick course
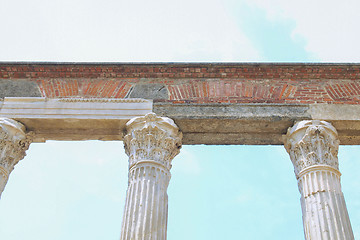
column 198, row 83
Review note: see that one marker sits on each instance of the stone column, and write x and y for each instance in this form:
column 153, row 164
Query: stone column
column 13, row 144
column 313, row 148
column 151, row 143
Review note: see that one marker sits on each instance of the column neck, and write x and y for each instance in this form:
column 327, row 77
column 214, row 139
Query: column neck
column 317, row 168
column 319, row 179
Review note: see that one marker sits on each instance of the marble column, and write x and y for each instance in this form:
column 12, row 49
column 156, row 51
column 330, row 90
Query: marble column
column 151, row 144
column 313, row 148
column 13, row 144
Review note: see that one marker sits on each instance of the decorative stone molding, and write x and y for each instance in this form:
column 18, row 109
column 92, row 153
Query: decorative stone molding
column 152, row 137
column 312, row 143
column 74, row 118
column 105, row 100
column 313, row 148
column 13, row 144
column 151, row 143
column 74, row 108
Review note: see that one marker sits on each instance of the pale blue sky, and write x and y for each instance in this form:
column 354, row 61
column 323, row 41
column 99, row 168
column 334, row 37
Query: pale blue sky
column 76, row 190
column 72, row 191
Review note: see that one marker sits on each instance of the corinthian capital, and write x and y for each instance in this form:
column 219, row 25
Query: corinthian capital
column 152, row 138
column 13, row 144
column 311, row 143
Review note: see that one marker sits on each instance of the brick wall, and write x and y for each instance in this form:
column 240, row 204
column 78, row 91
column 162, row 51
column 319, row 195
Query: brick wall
column 198, row 83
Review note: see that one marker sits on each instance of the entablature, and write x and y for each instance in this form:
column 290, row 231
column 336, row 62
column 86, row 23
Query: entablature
column 213, row 124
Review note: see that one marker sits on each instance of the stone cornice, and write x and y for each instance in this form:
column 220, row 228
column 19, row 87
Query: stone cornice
column 74, row 108
column 74, row 118
column 104, row 100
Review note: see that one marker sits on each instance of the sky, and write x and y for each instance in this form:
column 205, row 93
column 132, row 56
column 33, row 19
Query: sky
column 76, row 190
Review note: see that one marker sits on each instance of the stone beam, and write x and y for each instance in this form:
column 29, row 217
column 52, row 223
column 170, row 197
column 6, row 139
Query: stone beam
column 74, row 118
column 256, row 124
column 214, row 124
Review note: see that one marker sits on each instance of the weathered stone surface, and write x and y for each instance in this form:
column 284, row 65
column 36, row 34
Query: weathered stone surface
column 233, row 110
column 13, row 143
column 151, row 143
column 74, row 118
column 258, row 124
column 311, row 143
column 218, row 123
column 18, row 88
column 313, row 147
column 233, row 123
column 149, row 91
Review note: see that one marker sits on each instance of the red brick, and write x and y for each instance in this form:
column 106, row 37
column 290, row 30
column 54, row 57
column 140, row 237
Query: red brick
column 266, row 83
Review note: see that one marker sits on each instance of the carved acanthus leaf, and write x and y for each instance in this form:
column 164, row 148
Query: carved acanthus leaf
column 13, row 143
column 152, row 138
column 312, row 143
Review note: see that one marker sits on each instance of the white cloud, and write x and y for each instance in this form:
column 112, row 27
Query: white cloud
column 330, row 27
column 138, row 30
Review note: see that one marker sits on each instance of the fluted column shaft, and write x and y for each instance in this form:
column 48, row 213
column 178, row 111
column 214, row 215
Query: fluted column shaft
column 13, row 144
column 151, row 143
column 313, row 148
